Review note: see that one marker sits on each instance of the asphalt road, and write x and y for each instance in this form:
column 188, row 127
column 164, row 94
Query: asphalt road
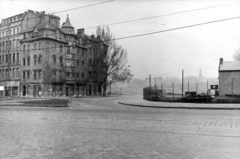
column 101, row 128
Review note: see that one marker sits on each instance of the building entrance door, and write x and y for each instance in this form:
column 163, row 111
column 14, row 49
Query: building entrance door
column 24, row 90
column 66, row 91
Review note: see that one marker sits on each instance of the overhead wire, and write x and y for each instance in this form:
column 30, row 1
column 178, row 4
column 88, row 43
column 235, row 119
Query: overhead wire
column 163, row 15
column 161, row 31
column 140, row 18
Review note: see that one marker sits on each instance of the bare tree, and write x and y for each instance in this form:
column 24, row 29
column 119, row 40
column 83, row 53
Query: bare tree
column 114, row 61
column 236, row 55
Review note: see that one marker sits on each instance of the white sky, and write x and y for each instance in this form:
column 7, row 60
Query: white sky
column 163, row 54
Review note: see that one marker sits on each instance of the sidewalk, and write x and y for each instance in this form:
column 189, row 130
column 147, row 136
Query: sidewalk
column 175, row 105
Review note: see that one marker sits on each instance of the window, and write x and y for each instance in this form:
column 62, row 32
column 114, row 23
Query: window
column 0, row 59
column 35, row 46
column 28, row 47
column 6, row 58
column 78, row 52
column 3, row 59
column 10, row 58
column 39, row 74
column 28, row 60
column 13, row 43
column 24, row 48
column 24, row 62
column 39, row 45
column 17, row 30
column 83, row 63
column 40, row 59
column 24, row 75
column 83, row 53
column 17, row 43
column 77, row 63
column 54, row 47
column 13, row 73
column 17, row 72
column 77, row 75
column 2, row 73
column 35, row 75
column 28, row 74
column 13, row 31
column 17, row 57
column 61, row 60
column 35, row 59
column 13, row 57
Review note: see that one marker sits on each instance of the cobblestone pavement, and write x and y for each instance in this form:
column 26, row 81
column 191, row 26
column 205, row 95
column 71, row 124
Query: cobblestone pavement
column 99, row 128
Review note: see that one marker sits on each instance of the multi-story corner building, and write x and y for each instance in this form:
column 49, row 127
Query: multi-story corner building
column 53, row 60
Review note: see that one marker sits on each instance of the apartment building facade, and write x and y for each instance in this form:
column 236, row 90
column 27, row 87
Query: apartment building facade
column 52, row 59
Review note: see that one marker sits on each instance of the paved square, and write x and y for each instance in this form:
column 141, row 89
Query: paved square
column 99, row 128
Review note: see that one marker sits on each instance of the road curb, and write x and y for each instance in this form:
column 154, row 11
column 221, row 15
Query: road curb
column 180, row 107
column 34, row 105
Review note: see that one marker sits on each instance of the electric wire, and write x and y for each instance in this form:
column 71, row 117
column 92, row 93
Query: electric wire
column 161, row 31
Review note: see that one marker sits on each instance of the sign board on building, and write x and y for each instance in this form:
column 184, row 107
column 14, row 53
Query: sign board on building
column 214, row 86
column 1, row 88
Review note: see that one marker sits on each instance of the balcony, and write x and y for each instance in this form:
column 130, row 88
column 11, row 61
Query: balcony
column 69, row 56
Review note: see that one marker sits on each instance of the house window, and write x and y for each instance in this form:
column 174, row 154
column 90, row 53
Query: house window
column 6, row 58
column 13, row 73
column 61, row 48
column 28, row 47
column 24, row 62
column 17, row 72
column 35, row 75
column 17, row 43
column 10, row 58
column 39, row 74
column 77, row 63
column 24, row 75
column 28, row 74
column 28, row 60
column 13, row 57
column 35, row 59
column 24, row 48
column 83, row 63
column 17, row 57
column 61, row 60
column 39, row 45
column 40, row 59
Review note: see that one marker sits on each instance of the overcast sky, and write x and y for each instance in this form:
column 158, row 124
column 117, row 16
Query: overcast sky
column 163, row 54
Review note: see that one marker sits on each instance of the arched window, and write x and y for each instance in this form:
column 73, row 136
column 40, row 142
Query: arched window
column 28, row 60
column 40, row 59
column 61, row 60
column 54, row 59
column 35, row 59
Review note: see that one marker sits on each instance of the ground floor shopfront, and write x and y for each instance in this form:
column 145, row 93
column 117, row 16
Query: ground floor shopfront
column 60, row 89
column 10, row 88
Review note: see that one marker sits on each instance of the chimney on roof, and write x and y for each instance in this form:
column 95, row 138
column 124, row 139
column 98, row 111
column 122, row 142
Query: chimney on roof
column 221, row 61
column 80, row 32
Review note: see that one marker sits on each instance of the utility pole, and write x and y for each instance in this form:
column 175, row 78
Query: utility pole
column 207, row 91
column 182, row 82
column 173, row 90
column 232, row 87
column 150, row 86
column 161, row 91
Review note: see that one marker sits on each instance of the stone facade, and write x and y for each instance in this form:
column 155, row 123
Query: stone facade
column 53, row 60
